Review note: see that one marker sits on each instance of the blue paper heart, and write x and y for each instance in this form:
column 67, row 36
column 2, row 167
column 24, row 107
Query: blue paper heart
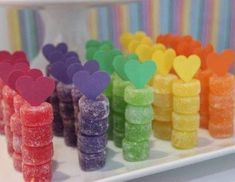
column 91, row 85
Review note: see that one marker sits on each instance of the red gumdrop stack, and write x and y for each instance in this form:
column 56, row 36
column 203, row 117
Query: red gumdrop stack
column 2, row 124
column 37, row 146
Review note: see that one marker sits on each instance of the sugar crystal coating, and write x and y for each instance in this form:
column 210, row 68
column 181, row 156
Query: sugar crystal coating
column 17, row 142
column 64, row 92
column 186, row 89
column 186, row 105
column 139, row 97
column 162, row 129
column 163, row 100
column 18, row 101
column 162, row 114
column 119, row 122
column 225, row 101
column 118, row 104
column 163, row 84
column 17, row 161
column 91, row 144
column 184, row 139
column 16, row 125
column 70, row 136
column 9, row 139
column 66, row 110
column 119, row 86
column 135, row 151
column 221, row 130
column 224, row 115
column 118, row 138
column 94, row 110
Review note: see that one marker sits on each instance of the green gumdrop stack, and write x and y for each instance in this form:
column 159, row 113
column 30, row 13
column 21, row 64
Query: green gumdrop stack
column 118, row 107
column 139, row 116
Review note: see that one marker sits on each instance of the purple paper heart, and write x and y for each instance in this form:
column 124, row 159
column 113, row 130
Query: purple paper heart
column 54, row 53
column 62, row 47
column 91, row 85
column 91, row 66
column 73, row 68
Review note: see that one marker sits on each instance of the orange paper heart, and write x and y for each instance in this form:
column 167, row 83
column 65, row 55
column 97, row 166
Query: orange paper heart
column 219, row 63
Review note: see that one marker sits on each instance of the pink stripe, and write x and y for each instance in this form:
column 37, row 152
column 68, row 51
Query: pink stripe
column 207, row 21
column 177, row 16
column 116, row 24
column 232, row 32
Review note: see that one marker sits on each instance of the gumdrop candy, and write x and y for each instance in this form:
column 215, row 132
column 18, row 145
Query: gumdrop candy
column 66, row 110
column 118, row 138
column 37, row 136
column 139, row 114
column 204, row 120
column 17, row 161
column 37, row 155
column 186, row 89
column 162, row 114
column 64, row 92
column 185, row 122
column 37, row 173
column 119, row 122
column 225, row 101
column 18, row 101
column 110, row 126
column 135, row 151
column 91, row 162
column 119, row 86
column 184, row 139
column 186, row 105
column 163, row 100
column 137, row 132
column 58, row 126
column 163, row 84
column 204, row 76
column 93, row 128
column 91, row 144
column 94, row 110
column 162, row 129
column 8, row 95
column 221, row 85
column 17, row 142
column 118, row 104
column 221, row 130
column 70, row 137
column 33, row 116
column 224, row 115
column 139, row 97
column 15, row 124
column 9, row 138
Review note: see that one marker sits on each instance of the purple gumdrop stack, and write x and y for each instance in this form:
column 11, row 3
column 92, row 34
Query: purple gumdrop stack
column 92, row 137
column 67, row 113
column 76, row 95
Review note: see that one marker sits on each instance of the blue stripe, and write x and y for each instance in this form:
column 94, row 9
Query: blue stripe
column 225, row 23
column 196, row 18
column 133, row 14
column 103, row 23
column 166, row 15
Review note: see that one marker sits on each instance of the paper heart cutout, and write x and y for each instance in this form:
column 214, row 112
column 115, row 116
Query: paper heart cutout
column 185, row 67
column 90, row 52
column 91, row 85
column 219, row 63
column 125, row 39
column 16, row 57
column 144, row 52
column 164, row 60
column 35, row 91
column 13, row 76
column 4, row 56
column 6, row 68
column 49, row 49
column 139, row 73
column 119, row 64
column 92, row 43
column 105, row 59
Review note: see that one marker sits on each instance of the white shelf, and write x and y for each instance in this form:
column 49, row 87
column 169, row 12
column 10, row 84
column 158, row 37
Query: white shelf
column 163, row 157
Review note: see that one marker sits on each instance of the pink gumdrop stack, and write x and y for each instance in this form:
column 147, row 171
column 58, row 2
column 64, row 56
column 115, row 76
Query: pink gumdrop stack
column 37, row 146
column 2, row 124
column 8, row 109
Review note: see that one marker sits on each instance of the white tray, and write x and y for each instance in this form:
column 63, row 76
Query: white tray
column 163, row 157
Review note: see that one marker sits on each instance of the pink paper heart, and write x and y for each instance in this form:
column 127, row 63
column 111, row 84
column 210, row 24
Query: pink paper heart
column 35, row 91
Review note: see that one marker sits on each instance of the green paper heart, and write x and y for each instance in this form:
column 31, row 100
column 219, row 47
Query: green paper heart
column 139, row 73
column 132, row 56
column 105, row 59
column 90, row 52
column 118, row 65
column 92, row 43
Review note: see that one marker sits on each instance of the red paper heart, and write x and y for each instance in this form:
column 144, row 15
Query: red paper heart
column 219, row 63
column 16, row 57
column 5, row 56
column 35, row 91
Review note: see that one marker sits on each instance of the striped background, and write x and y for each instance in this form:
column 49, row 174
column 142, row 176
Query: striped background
column 208, row 20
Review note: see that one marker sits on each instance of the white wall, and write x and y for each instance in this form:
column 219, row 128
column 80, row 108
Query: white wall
column 4, row 43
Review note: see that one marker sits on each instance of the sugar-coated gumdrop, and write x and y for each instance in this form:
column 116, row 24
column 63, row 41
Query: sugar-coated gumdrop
column 139, row 97
column 119, row 122
column 221, row 85
column 162, row 114
column 17, row 142
column 91, row 144
column 91, row 162
column 186, row 89
column 94, row 110
column 8, row 95
column 93, row 128
column 33, row 116
column 37, row 172
column 137, row 132
column 163, row 100
column 220, row 130
column 135, row 151
column 162, row 129
column 204, row 120
column 163, row 84
column 184, row 140
column 37, row 136
column 118, row 104
column 70, row 136
column 64, row 92
column 9, row 138
column 66, row 110
column 37, row 155
column 225, row 101
column 16, row 124
column 204, row 76
column 139, row 114
column 185, row 122
column 186, row 105
column 58, row 126
column 118, row 138
column 17, row 161
column 219, row 116
column 18, row 101
column 110, row 126
column 204, row 103
column 119, row 87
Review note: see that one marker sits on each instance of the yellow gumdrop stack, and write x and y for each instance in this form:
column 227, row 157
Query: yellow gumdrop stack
column 186, row 103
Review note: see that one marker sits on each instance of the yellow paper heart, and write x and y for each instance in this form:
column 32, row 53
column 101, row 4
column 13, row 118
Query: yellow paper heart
column 144, row 52
column 139, row 35
column 146, row 40
column 159, row 46
column 185, row 67
column 125, row 39
column 164, row 60
column 133, row 45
